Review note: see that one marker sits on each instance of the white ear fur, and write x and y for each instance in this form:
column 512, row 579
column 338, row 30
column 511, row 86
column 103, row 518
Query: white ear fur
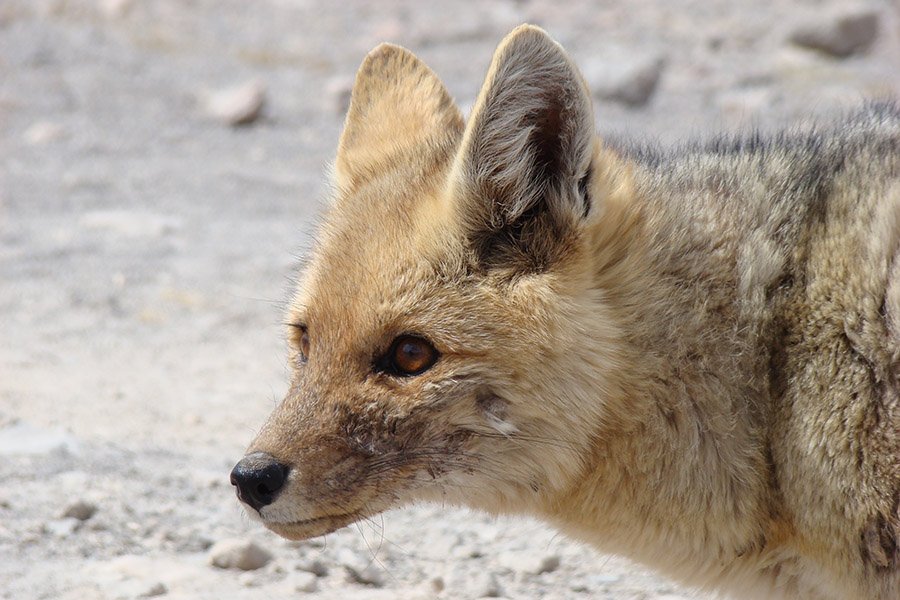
column 529, row 143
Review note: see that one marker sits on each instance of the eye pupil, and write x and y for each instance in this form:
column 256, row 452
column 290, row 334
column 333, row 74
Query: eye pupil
column 412, row 351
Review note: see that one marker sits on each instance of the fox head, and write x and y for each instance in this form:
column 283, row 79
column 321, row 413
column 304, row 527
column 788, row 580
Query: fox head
column 448, row 336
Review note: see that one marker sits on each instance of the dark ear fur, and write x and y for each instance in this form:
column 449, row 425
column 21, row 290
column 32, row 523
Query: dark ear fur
column 525, row 158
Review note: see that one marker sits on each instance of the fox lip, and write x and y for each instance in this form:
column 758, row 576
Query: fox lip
column 314, row 527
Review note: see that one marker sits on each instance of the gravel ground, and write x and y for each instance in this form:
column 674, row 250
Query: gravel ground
column 147, row 242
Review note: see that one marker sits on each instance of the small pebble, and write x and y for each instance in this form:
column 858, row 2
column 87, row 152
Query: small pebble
column 314, row 566
column 155, row 589
column 80, row 509
column 239, row 105
column 361, row 570
column 136, row 588
column 630, row 81
column 238, row 554
column 302, row 581
column 840, row 34
column 529, row 562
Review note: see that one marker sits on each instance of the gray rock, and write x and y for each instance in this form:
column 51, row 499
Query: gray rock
column 303, row 581
column 80, row 509
column 630, row 80
column 238, row 554
column 533, row 563
column 136, row 588
column 360, row 569
column 547, row 564
column 239, row 105
column 154, row 589
column 312, row 565
column 842, row 33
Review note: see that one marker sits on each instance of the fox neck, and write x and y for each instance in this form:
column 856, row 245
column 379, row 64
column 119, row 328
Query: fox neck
column 680, row 454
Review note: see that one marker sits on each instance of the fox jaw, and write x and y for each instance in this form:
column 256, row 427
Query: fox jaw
column 438, row 338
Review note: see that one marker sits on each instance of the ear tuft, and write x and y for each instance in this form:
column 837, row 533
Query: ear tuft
column 526, row 153
column 398, row 109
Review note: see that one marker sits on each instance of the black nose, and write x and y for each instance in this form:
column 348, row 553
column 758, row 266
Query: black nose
column 258, row 478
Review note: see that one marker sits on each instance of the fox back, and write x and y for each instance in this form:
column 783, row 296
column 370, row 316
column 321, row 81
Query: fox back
column 689, row 357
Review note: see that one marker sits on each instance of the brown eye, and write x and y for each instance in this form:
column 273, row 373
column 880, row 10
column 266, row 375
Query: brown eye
column 302, row 337
column 304, row 344
column 409, row 355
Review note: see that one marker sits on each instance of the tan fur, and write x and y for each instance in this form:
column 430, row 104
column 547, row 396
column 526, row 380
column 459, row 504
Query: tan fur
column 689, row 359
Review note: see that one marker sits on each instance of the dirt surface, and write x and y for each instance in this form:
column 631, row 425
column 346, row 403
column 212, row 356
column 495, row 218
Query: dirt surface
column 146, row 248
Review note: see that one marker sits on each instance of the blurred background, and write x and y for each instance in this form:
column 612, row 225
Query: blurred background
column 162, row 163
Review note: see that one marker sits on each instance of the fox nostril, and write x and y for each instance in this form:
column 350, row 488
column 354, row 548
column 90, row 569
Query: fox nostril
column 258, row 477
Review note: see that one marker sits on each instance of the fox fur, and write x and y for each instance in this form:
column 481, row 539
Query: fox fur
column 689, row 357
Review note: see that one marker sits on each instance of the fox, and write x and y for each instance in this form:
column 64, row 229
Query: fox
column 686, row 356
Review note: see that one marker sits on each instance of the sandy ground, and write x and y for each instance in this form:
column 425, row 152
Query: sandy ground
column 146, row 248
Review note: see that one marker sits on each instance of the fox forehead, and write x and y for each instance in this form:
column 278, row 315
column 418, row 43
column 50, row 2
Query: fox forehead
column 384, row 255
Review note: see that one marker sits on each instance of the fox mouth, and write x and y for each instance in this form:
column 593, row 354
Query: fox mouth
column 309, row 528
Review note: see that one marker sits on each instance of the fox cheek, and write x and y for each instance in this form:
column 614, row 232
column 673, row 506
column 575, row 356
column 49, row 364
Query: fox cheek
column 495, row 411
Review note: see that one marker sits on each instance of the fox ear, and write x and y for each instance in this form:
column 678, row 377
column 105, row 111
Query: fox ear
column 398, row 109
column 523, row 166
